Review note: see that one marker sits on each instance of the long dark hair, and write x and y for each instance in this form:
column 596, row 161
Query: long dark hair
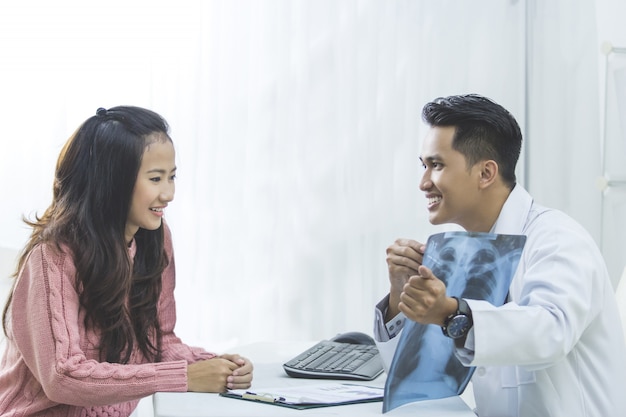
column 484, row 130
column 92, row 193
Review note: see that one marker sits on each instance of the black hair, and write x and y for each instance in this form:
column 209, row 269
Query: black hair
column 92, row 193
column 483, row 130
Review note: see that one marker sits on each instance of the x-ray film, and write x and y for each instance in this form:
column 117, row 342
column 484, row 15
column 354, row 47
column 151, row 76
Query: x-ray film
column 478, row 266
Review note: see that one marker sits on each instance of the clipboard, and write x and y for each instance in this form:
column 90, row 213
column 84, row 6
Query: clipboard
column 310, row 396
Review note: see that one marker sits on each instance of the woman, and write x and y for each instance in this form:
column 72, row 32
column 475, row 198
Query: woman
column 90, row 320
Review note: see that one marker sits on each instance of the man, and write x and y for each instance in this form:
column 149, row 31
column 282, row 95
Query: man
column 555, row 348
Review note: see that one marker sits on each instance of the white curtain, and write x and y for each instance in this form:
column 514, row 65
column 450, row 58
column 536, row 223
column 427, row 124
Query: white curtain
column 297, row 128
column 304, row 165
column 563, row 139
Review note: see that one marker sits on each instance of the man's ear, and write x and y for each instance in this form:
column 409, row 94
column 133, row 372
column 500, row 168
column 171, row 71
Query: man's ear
column 488, row 173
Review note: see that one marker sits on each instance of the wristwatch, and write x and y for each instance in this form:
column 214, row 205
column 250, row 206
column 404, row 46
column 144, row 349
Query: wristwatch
column 457, row 324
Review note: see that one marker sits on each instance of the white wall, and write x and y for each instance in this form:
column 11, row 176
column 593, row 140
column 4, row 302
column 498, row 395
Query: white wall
column 610, row 21
column 611, row 29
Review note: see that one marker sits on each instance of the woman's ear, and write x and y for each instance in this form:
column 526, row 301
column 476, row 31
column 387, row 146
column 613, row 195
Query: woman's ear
column 488, row 173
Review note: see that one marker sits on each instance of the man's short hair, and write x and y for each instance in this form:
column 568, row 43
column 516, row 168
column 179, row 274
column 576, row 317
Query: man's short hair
column 483, row 130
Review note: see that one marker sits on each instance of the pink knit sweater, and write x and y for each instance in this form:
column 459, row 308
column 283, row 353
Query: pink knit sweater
column 50, row 366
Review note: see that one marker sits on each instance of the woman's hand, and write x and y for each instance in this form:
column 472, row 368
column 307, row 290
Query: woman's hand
column 219, row 374
column 241, row 377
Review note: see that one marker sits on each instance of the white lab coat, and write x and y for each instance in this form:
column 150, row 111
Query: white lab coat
column 557, row 348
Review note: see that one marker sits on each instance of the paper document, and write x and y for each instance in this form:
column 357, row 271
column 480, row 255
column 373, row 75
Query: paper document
column 311, row 396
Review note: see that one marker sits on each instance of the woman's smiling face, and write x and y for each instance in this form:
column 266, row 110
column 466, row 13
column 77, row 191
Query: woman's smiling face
column 154, row 187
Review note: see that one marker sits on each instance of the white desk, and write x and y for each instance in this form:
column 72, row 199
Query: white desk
column 268, row 372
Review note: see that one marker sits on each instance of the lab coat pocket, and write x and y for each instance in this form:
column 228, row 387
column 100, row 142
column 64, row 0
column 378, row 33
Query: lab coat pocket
column 514, row 376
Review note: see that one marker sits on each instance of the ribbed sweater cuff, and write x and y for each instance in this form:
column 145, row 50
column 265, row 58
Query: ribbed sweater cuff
column 171, row 376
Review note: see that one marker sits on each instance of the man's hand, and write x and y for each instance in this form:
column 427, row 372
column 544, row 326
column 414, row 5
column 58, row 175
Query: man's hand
column 404, row 257
column 423, row 298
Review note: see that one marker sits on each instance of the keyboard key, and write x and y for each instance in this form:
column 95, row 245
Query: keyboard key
column 334, row 360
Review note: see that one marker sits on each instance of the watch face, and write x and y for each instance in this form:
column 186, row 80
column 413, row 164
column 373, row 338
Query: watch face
column 458, row 326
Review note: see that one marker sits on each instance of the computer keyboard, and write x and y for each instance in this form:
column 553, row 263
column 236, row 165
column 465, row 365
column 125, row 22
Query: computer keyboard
column 336, row 360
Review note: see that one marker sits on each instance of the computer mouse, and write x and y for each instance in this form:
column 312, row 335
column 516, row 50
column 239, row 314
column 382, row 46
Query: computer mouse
column 356, row 338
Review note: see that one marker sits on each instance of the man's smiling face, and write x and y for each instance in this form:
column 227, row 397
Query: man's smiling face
column 451, row 188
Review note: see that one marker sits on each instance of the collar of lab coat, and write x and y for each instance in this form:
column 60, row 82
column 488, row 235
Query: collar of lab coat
column 514, row 212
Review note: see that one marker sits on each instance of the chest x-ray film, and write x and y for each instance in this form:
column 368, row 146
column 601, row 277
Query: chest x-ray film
column 477, row 266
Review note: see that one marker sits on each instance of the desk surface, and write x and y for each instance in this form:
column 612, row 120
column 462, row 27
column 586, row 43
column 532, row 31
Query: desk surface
column 268, row 372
